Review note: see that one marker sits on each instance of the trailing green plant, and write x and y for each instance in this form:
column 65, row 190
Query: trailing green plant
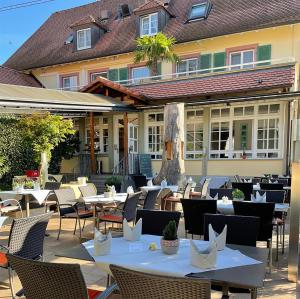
column 170, row 231
column 113, row 181
column 44, row 132
column 236, row 193
column 107, row 188
column 153, row 49
column 64, row 150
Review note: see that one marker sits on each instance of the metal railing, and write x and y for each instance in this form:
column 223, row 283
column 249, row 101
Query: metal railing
column 127, row 165
column 199, row 73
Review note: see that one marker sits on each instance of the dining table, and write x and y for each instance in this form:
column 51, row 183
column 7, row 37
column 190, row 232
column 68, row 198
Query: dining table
column 39, row 195
column 226, row 207
column 100, row 199
column 236, row 266
column 173, row 188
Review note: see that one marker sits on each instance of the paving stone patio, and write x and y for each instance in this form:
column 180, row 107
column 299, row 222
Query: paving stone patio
column 276, row 284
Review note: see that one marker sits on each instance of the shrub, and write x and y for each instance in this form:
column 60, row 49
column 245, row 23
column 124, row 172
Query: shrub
column 236, row 193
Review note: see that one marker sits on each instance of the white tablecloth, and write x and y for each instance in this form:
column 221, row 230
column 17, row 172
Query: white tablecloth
column 226, row 208
column 173, row 188
column 39, row 195
column 137, row 256
column 256, row 187
column 120, row 197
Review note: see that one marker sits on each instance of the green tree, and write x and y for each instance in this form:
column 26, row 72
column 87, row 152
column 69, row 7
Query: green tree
column 45, row 132
column 153, row 49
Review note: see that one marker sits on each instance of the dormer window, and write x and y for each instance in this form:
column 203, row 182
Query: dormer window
column 84, row 39
column 149, row 24
column 199, row 11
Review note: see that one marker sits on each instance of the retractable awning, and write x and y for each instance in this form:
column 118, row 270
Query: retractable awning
column 21, row 99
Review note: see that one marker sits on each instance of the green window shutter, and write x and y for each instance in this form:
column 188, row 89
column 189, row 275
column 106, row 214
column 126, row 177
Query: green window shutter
column 219, row 60
column 159, row 68
column 205, row 63
column 264, row 53
column 113, row 75
column 123, row 75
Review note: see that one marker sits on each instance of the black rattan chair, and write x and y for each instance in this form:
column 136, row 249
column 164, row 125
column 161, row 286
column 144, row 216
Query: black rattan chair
column 247, row 189
column 41, row 280
column 51, row 201
column 241, row 230
column 265, row 211
column 221, row 192
column 194, row 210
column 155, row 221
column 127, row 212
column 69, row 209
column 26, row 239
column 139, row 181
column 150, row 199
column 271, row 186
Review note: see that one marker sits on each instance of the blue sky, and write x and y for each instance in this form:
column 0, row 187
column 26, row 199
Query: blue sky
column 16, row 26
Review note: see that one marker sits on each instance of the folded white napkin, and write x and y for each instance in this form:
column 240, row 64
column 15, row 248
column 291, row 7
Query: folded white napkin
column 132, row 233
column 164, row 184
column 212, row 198
column 220, row 239
column 130, row 190
column 102, row 243
column 150, row 183
column 225, row 199
column 258, row 197
column 204, row 259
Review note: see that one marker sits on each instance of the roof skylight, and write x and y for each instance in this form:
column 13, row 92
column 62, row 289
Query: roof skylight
column 200, row 11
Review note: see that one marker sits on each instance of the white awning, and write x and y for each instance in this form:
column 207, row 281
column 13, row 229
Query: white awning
column 21, row 99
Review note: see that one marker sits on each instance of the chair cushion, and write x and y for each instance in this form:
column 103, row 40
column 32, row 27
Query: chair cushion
column 3, row 260
column 195, row 194
column 111, row 218
column 93, row 293
column 81, row 213
column 173, row 199
column 277, row 221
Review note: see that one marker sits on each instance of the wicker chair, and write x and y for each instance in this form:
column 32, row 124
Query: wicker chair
column 137, row 285
column 10, row 205
column 26, row 239
column 70, row 209
column 127, row 212
column 42, row 280
column 88, row 190
column 51, row 200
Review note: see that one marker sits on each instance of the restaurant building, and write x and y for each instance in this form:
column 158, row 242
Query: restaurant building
column 238, row 77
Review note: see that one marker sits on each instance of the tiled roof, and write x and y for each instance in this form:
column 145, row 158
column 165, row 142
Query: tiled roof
column 46, row 46
column 10, row 76
column 149, row 5
column 83, row 21
column 229, row 83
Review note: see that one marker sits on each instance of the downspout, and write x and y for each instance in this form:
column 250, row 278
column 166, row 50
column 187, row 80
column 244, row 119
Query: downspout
column 289, row 140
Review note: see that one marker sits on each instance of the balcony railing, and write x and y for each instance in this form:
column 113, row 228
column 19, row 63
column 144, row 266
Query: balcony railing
column 201, row 73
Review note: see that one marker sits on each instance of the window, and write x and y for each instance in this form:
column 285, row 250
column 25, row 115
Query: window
column 101, row 135
column 268, row 138
column 219, row 139
column 94, row 76
column 187, row 67
column 70, row 83
column 149, row 24
column 139, row 73
column 84, row 40
column 242, row 59
column 246, row 132
column 194, row 134
column 200, row 11
column 155, row 131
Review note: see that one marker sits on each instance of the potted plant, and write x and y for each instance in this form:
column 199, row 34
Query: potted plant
column 114, row 181
column 169, row 242
column 265, row 181
column 29, row 184
column 107, row 192
column 238, row 195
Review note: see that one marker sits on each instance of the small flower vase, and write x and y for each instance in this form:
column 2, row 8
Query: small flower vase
column 169, row 246
column 107, row 194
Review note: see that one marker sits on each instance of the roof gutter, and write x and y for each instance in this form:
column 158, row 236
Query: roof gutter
column 284, row 96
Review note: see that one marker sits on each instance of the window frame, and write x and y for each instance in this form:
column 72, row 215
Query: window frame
column 85, row 44
column 254, row 153
column 155, row 155
column 149, row 16
column 187, row 72
column 198, row 121
column 92, row 73
column 242, row 65
column 207, row 5
column 69, row 76
column 138, row 80
column 100, row 126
